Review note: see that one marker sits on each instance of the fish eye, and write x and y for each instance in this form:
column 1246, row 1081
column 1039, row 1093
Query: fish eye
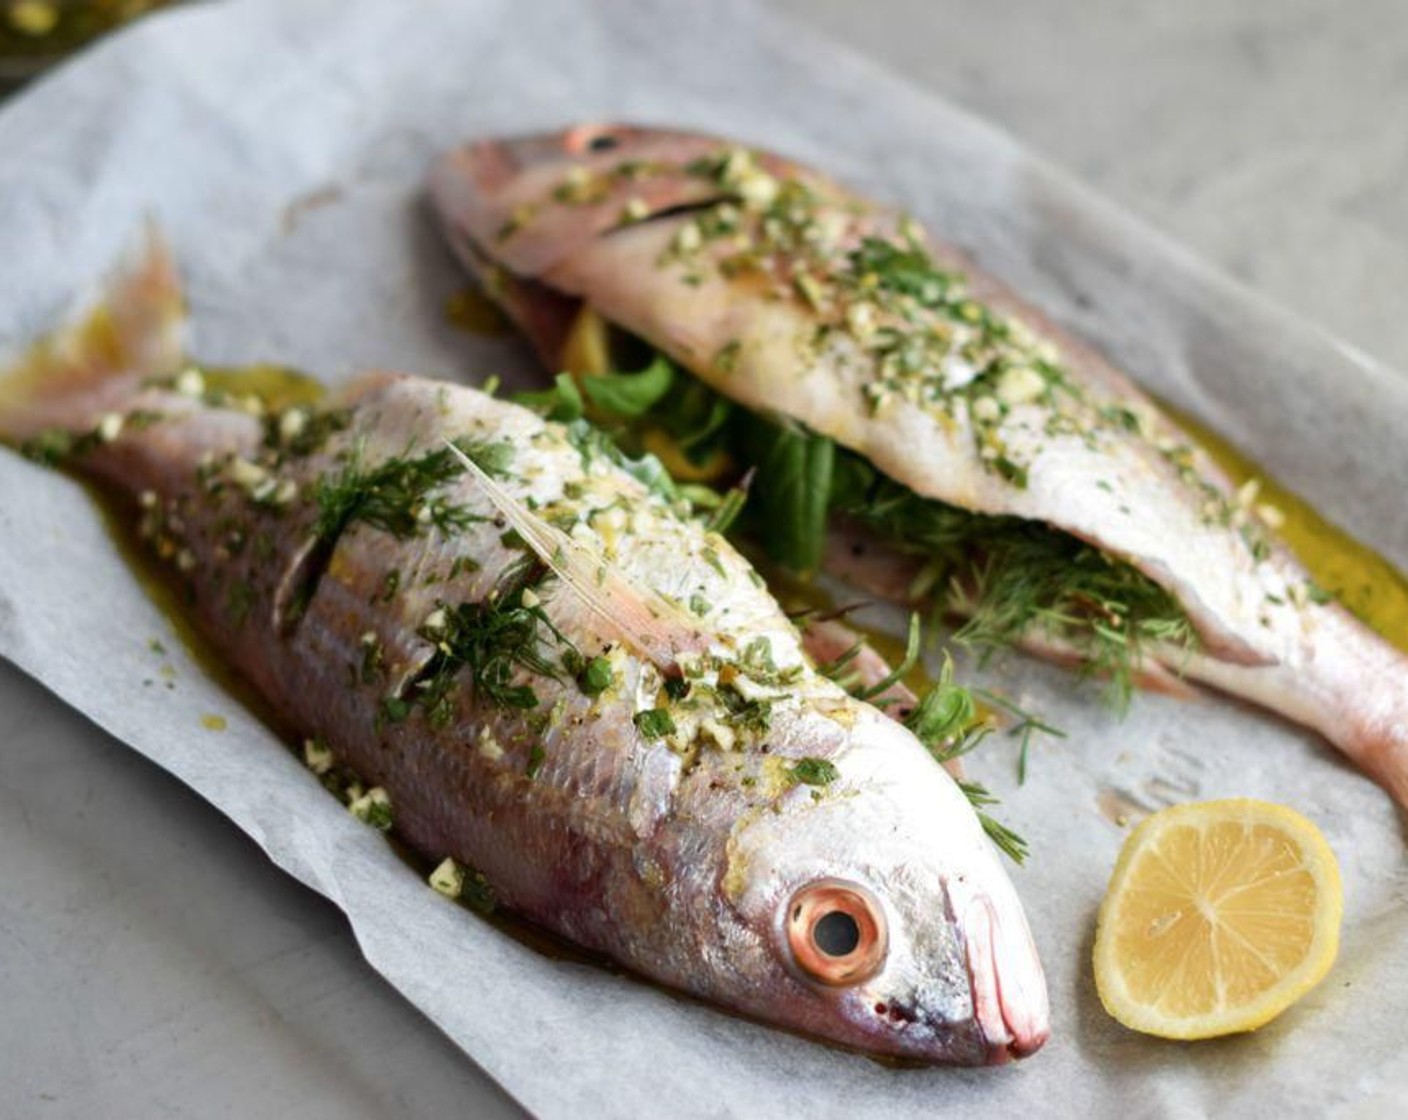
column 590, row 138
column 836, row 932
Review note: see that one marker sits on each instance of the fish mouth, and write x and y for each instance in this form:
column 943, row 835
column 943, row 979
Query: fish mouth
column 1010, row 1006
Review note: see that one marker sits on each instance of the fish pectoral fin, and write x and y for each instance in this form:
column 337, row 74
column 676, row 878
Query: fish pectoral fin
column 644, row 619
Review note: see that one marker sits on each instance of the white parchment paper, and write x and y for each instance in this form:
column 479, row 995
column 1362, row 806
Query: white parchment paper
column 282, row 147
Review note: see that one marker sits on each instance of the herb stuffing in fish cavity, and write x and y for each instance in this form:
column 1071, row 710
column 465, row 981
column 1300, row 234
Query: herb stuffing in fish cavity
column 1026, row 484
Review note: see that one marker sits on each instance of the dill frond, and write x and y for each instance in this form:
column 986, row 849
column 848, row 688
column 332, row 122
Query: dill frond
column 493, row 639
column 1017, row 580
column 396, row 496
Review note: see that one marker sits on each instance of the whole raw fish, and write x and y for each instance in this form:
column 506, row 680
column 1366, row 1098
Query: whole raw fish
column 530, row 663
column 795, row 298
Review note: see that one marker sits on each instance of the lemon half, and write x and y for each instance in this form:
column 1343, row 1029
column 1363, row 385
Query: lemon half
column 1219, row 915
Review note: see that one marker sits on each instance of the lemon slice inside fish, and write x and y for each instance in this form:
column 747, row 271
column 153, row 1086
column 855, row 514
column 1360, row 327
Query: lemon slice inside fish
column 1219, row 915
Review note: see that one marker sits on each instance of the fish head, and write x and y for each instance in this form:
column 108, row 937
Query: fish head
column 890, row 925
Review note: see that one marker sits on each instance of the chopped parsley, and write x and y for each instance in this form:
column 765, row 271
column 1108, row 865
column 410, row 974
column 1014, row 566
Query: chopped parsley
column 596, row 677
column 476, row 892
column 655, row 723
column 815, row 772
column 947, row 722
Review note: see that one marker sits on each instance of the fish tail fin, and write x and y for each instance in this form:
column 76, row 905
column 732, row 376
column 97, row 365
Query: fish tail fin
column 71, row 376
column 1353, row 689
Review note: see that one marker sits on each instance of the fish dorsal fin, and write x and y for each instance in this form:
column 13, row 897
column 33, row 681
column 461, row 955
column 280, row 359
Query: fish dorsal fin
column 642, row 618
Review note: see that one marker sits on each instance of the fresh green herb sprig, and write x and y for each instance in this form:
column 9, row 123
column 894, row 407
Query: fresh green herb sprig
column 1015, row 579
column 395, row 496
column 913, row 649
column 791, row 488
column 629, row 396
column 1013, row 846
column 1025, row 727
column 1012, row 579
column 726, row 511
column 492, row 639
column 815, row 771
column 947, row 722
column 315, row 428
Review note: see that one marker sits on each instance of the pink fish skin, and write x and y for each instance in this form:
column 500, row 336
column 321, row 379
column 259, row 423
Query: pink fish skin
column 698, row 830
column 666, row 234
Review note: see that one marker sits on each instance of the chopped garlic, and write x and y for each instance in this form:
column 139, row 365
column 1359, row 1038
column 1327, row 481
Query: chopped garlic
column 721, row 733
column 689, row 238
column 758, row 190
column 448, row 878
column 737, row 165
column 110, row 426
column 285, row 492
column 1020, row 385
column 190, row 383
column 830, row 227
column 1247, row 493
column 247, row 475
column 529, row 598
column 860, row 319
column 1271, row 516
column 635, row 210
column 489, row 746
column 373, row 808
column 317, row 756
column 986, row 409
column 293, row 422
column 1020, row 334
column 435, row 622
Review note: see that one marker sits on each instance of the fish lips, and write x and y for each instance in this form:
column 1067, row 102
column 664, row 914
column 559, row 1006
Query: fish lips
column 1010, row 1007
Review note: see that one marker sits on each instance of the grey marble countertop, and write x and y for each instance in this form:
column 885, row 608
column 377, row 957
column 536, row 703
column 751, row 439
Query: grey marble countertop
column 1266, row 134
